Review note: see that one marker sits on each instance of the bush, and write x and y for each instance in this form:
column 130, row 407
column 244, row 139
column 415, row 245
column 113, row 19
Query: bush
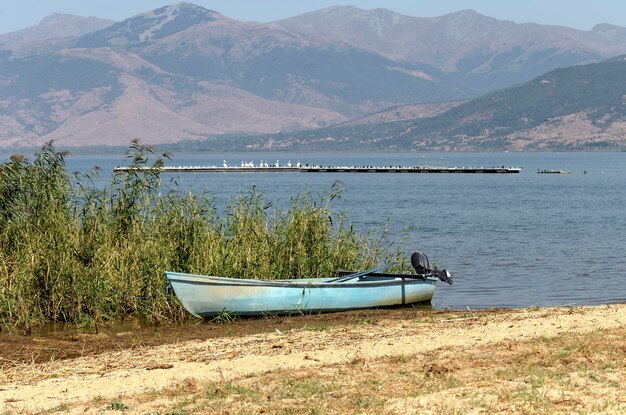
column 71, row 251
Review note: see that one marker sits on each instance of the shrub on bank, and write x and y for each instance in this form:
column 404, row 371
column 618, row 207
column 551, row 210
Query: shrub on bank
column 73, row 251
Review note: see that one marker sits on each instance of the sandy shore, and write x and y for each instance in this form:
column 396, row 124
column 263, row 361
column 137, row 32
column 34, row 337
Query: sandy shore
column 134, row 378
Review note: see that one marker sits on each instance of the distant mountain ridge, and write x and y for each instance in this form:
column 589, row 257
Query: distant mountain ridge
column 183, row 72
column 55, row 26
column 480, row 52
column 145, row 27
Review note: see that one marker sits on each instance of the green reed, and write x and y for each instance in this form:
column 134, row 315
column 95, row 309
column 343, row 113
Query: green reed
column 71, row 251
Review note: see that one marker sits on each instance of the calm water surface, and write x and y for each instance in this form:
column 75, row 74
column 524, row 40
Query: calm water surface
column 511, row 240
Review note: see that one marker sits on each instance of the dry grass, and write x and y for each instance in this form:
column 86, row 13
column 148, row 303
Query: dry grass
column 524, row 361
column 574, row 373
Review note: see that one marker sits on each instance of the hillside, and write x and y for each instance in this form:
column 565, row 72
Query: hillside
column 183, row 72
column 581, row 107
column 402, row 112
column 578, row 107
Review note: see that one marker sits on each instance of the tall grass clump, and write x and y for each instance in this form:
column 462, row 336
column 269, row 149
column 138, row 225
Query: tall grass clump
column 74, row 251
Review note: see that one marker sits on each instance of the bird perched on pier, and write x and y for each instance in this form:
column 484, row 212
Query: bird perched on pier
column 225, row 164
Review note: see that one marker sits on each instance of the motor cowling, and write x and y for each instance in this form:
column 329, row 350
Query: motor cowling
column 422, row 265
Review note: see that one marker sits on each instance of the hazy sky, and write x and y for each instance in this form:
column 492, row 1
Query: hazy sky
column 580, row 14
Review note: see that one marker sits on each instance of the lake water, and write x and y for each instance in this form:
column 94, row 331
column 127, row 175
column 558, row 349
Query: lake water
column 511, row 240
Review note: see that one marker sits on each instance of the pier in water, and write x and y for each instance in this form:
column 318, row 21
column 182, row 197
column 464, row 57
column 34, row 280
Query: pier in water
column 324, row 169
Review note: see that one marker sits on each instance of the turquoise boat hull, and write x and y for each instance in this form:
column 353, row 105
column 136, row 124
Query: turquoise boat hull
column 207, row 296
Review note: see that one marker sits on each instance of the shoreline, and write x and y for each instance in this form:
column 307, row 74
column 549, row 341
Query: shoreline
column 147, row 374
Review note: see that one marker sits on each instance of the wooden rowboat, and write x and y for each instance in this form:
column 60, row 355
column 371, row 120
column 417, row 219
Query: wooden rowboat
column 207, row 296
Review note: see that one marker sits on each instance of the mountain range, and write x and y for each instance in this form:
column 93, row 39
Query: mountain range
column 582, row 107
column 186, row 73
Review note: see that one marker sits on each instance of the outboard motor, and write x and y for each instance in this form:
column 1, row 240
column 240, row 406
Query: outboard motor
column 421, row 264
